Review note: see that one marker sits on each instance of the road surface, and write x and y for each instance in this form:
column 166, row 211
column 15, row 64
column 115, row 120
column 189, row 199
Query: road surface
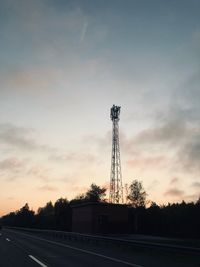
column 19, row 249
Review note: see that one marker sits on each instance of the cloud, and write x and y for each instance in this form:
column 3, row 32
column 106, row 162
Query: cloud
column 13, row 168
column 172, row 141
column 174, row 192
column 189, row 154
column 151, row 161
column 50, row 41
column 40, row 172
column 31, row 79
column 20, row 138
column 19, row 141
column 73, row 157
column 184, row 99
column 39, row 20
column 196, row 185
column 16, row 136
column 48, row 188
column 99, row 141
column 174, row 180
column 169, row 132
column 11, row 164
column 157, row 139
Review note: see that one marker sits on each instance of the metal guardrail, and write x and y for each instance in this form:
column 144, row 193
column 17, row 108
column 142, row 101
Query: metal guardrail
column 109, row 240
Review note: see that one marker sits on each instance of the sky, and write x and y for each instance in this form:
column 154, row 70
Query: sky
column 63, row 64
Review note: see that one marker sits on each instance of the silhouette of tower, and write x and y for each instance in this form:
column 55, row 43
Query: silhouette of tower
column 116, row 188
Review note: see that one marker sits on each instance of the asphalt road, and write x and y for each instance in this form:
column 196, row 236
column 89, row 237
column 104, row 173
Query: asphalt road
column 24, row 250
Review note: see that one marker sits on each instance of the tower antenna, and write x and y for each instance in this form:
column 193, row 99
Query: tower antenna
column 116, row 188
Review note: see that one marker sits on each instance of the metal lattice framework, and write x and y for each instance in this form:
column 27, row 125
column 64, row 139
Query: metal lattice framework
column 116, row 188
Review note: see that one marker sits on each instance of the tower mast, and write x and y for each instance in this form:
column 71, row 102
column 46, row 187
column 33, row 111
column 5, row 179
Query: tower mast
column 116, row 188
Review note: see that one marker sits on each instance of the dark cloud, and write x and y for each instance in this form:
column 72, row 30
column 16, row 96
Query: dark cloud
column 174, row 192
column 189, row 153
column 12, row 135
column 176, row 130
column 164, row 135
column 187, row 97
column 20, row 138
column 170, row 132
column 174, row 137
column 171, row 141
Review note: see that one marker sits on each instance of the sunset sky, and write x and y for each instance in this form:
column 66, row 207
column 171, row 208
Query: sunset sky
column 63, row 64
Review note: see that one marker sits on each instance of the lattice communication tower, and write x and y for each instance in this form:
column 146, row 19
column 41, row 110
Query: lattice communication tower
column 116, row 188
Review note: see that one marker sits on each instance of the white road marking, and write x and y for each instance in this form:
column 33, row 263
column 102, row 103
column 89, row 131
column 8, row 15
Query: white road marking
column 0, row 234
column 83, row 250
column 36, row 260
column 7, row 239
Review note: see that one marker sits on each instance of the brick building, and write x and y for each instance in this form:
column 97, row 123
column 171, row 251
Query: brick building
column 94, row 217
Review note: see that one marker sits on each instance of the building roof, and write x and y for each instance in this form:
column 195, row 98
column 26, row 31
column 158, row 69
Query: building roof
column 89, row 203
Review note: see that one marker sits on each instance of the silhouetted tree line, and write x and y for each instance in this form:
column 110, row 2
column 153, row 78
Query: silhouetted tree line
column 57, row 216
column 174, row 220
